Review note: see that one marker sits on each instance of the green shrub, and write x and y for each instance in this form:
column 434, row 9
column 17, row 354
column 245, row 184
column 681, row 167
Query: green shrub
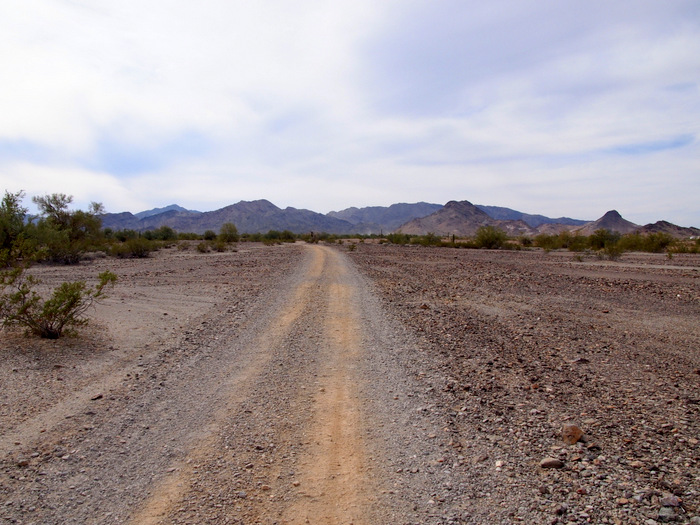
column 12, row 216
column 61, row 235
column 209, row 235
column 490, row 237
column 48, row 318
column 398, row 238
column 203, row 247
column 228, row 232
column 525, row 241
column 125, row 235
column 602, row 238
column 546, row 242
column 139, row 247
column 613, row 251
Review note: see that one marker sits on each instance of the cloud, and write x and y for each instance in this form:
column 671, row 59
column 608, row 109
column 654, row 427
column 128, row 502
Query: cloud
column 555, row 106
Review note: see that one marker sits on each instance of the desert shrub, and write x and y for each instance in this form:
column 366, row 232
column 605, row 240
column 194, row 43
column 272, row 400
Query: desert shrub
column 54, row 245
column 203, row 247
column 209, row 235
column 429, row 239
column 689, row 246
column 125, row 235
column 398, row 238
column 652, row 242
column 570, row 241
column 352, row 247
column 164, row 233
column 287, row 236
column 139, row 247
column 251, row 237
column 61, row 235
column 12, row 228
column 525, row 241
column 613, row 251
column 602, row 238
column 188, row 236
column 47, row 318
column 183, row 246
column 490, row 237
column 228, row 232
column 219, row 245
column 546, row 242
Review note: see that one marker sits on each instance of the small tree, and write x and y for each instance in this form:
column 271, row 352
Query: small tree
column 48, row 318
column 490, row 237
column 62, row 235
column 12, row 215
column 228, row 232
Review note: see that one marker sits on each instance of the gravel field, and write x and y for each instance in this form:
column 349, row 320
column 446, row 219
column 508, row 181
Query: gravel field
column 387, row 384
column 517, row 345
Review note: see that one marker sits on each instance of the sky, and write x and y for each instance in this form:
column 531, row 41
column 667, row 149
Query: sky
column 555, row 107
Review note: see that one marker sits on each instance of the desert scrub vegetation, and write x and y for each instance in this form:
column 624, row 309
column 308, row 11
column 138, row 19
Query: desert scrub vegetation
column 59, row 235
column 228, row 233
column 490, row 237
column 48, row 318
column 611, row 245
column 138, row 247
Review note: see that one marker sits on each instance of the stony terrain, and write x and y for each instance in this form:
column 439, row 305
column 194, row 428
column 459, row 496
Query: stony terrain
column 519, row 344
column 313, row 384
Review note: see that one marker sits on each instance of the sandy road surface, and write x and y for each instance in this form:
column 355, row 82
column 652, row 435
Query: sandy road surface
column 279, row 408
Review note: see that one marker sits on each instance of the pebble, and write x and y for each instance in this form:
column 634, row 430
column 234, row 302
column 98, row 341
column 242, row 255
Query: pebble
column 666, row 514
column 571, row 434
column 551, row 463
column 670, row 500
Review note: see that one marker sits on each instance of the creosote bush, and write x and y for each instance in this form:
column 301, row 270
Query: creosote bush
column 48, row 318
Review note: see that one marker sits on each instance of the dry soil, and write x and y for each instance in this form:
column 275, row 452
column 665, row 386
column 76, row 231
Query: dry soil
column 387, row 384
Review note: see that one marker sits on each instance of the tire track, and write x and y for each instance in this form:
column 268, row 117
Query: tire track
column 172, row 489
column 333, row 469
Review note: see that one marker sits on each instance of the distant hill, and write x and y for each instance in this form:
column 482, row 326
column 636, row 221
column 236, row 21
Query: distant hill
column 611, row 221
column 157, row 211
column 249, row 217
column 462, row 219
column 507, row 214
column 376, row 219
column 670, row 229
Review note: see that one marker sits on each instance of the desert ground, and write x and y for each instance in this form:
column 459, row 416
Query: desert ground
column 317, row 384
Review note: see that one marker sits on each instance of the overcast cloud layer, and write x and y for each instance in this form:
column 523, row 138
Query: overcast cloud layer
column 554, row 107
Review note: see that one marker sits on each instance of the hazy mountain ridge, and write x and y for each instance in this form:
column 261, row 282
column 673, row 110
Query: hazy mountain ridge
column 460, row 218
column 508, row 214
column 382, row 218
column 249, row 217
column 158, row 211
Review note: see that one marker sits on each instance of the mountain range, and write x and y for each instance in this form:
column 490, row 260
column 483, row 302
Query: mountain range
column 460, row 218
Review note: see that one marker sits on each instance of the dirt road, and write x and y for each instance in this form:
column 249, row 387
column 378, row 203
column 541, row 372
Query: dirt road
column 292, row 413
